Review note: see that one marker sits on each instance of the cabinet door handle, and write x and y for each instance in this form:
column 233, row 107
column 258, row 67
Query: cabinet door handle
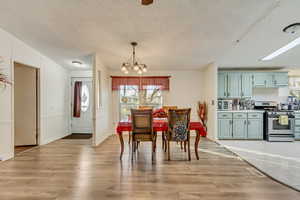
column 224, row 94
column 228, row 94
column 245, row 122
column 265, row 82
column 248, row 122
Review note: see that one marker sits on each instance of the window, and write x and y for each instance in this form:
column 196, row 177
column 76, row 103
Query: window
column 85, row 98
column 131, row 98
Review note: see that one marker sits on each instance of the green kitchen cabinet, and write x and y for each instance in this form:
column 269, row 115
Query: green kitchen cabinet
column 225, row 128
column 280, row 79
column 297, row 125
column 239, row 130
column 255, row 129
column 241, row 125
column 247, row 85
column 263, row 80
column 234, row 85
column 222, row 85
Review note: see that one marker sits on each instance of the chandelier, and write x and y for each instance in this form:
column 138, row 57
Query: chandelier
column 132, row 64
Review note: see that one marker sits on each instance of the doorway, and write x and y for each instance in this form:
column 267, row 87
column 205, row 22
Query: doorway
column 82, row 121
column 26, row 107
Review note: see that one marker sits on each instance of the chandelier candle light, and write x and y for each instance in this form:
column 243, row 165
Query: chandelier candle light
column 133, row 64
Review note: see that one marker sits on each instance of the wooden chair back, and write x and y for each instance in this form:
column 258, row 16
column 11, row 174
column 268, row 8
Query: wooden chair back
column 145, row 107
column 178, row 121
column 167, row 108
column 142, row 121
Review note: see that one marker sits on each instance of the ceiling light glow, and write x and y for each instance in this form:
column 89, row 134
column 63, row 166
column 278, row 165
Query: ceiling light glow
column 282, row 50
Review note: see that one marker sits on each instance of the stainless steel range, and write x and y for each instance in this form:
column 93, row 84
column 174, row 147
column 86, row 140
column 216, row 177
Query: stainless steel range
column 278, row 131
column 274, row 128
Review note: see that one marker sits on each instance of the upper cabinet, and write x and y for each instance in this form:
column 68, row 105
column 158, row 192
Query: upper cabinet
column 262, row 80
column 233, row 84
column 222, row 85
column 246, row 85
column 281, row 79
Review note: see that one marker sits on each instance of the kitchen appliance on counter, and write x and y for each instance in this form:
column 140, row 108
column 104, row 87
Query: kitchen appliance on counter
column 278, row 124
column 265, row 105
column 225, row 104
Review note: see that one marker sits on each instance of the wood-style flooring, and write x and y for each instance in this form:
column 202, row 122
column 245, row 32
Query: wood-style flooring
column 79, row 136
column 72, row 169
column 20, row 149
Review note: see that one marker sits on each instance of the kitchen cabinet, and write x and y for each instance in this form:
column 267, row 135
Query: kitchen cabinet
column 246, row 85
column 234, row 85
column 297, row 126
column 225, row 125
column 255, row 129
column 263, row 80
column 239, row 130
column 225, row 128
column 240, row 125
column 222, row 85
column 280, row 79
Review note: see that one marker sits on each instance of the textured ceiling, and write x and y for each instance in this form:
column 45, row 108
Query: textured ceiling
column 172, row 34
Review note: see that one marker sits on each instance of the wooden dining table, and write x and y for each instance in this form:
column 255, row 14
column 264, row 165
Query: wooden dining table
column 160, row 126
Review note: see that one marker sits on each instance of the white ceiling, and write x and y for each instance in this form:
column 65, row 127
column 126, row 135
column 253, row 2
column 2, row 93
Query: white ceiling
column 265, row 37
column 172, row 34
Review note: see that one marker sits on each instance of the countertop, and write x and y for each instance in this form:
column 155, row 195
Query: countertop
column 246, row 111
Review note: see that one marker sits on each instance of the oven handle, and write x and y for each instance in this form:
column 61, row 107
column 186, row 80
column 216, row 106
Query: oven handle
column 278, row 118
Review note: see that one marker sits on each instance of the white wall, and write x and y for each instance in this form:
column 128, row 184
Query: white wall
column 186, row 89
column 271, row 94
column 82, row 73
column 102, row 114
column 54, row 87
column 210, row 96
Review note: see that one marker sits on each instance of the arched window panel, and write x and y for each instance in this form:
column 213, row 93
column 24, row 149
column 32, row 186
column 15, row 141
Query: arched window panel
column 85, row 98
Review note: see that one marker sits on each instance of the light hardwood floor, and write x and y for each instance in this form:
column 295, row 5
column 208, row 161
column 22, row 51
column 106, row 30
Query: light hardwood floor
column 72, row 169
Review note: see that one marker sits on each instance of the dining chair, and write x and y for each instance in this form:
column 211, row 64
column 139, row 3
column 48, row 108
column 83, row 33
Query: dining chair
column 142, row 128
column 145, row 107
column 178, row 128
column 166, row 109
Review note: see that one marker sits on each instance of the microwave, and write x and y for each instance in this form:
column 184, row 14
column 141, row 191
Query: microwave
column 225, row 104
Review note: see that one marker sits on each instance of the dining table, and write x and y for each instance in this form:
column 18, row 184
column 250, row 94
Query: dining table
column 160, row 125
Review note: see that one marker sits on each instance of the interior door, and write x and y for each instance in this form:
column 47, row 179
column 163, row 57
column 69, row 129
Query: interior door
column 84, row 123
column 25, row 105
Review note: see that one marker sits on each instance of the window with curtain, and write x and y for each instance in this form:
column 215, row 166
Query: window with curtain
column 131, row 98
column 139, row 91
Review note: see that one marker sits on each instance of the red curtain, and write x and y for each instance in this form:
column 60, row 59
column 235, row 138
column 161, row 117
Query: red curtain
column 163, row 82
column 77, row 99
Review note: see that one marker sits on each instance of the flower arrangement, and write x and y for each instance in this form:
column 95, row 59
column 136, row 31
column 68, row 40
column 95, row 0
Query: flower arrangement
column 202, row 113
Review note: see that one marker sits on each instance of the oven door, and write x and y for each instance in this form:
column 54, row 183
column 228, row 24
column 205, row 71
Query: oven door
column 276, row 128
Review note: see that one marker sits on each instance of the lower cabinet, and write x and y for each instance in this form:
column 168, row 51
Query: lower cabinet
column 297, row 126
column 239, row 130
column 240, row 126
column 255, row 129
column 225, row 128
